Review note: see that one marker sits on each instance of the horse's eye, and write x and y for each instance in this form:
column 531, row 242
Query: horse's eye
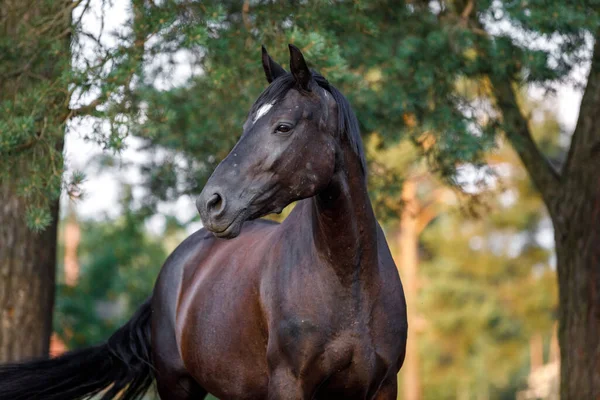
column 283, row 128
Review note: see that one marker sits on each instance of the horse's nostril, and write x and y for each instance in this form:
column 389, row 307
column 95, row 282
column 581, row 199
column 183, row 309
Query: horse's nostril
column 215, row 204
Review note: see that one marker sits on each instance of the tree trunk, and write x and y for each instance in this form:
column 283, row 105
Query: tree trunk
column 27, row 274
column 577, row 235
column 408, row 241
column 71, row 243
column 573, row 200
column 554, row 355
column 536, row 352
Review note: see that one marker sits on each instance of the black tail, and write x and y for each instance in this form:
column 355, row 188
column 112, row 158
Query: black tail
column 121, row 365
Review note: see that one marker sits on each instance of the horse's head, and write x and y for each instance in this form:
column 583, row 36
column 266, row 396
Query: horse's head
column 286, row 152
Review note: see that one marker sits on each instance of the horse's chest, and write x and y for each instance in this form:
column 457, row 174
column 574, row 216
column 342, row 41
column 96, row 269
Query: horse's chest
column 347, row 360
column 363, row 367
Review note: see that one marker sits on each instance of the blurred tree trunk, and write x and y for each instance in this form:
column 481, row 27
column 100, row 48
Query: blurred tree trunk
column 536, row 352
column 28, row 258
column 408, row 242
column 72, row 238
column 414, row 218
column 554, row 354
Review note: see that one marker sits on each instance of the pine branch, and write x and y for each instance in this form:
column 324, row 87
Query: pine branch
column 88, row 109
column 56, row 20
column 467, row 10
column 516, row 126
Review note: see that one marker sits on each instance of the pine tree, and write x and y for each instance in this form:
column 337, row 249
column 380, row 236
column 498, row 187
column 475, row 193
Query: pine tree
column 34, row 61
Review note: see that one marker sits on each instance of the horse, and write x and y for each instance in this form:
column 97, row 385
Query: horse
column 312, row 308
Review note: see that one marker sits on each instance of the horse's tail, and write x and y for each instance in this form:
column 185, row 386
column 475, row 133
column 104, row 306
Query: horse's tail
column 121, row 365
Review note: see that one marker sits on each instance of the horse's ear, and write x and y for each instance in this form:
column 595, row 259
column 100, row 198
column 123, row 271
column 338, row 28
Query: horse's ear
column 272, row 69
column 299, row 68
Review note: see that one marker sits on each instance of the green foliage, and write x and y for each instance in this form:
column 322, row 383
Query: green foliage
column 486, row 284
column 390, row 165
column 488, row 287
column 398, row 62
column 483, row 304
column 119, row 263
column 34, row 74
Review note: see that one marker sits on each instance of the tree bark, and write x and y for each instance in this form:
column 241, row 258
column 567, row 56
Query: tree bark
column 576, row 219
column 577, row 236
column 27, row 276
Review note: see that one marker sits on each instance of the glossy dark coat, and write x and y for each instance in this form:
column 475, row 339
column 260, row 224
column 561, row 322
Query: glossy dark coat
column 311, row 308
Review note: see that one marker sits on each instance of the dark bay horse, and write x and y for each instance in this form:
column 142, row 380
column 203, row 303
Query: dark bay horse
column 312, row 308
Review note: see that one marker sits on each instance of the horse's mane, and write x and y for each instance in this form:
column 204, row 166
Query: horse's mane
column 347, row 122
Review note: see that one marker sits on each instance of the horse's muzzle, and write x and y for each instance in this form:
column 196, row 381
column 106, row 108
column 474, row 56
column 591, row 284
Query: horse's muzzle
column 217, row 216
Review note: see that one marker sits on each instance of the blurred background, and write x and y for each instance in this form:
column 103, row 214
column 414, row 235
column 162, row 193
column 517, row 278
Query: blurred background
column 114, row 113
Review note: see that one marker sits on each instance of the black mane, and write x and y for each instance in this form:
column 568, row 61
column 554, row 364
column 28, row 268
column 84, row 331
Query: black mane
column 347, row 122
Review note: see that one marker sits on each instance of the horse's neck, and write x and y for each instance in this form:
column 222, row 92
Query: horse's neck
column 343, row 223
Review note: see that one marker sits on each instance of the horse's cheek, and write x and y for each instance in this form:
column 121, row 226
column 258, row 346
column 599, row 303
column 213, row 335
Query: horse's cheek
column 327, row 159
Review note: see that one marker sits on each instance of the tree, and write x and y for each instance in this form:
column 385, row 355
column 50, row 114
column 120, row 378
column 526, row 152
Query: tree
column 414, row 217
column 34, row 57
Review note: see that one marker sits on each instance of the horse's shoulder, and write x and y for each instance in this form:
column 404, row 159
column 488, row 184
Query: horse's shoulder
column 203, row 239
column 191, row 243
